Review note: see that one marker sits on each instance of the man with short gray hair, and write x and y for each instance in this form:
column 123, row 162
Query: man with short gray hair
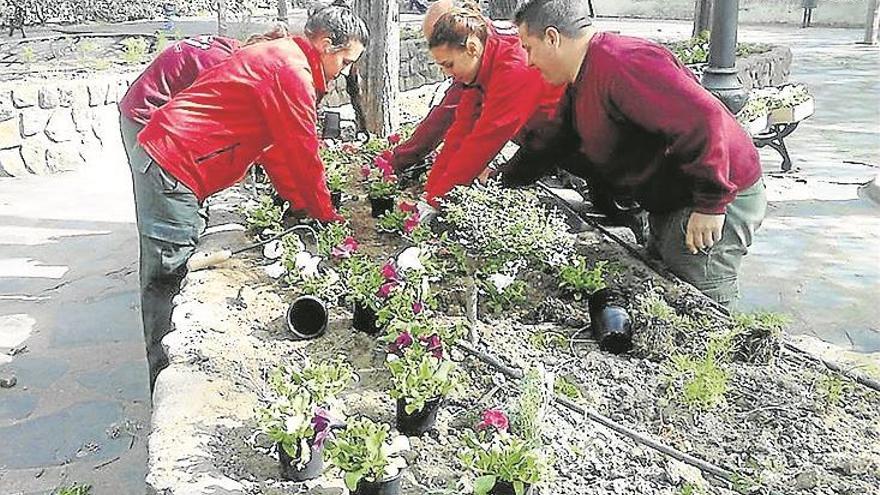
column 644, row 125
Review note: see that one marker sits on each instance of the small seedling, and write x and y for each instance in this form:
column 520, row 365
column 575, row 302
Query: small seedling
column 832, row 389
column 566, row 388
column 136, row 49
column 580, row 279
column 27, row 55
column 265, row 215
column 74, row 489
column 547, row 340
column 705, row 379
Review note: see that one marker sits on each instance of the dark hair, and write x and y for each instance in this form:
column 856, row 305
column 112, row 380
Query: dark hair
column 339, row 23
column 569, row 17
column 278, row 31
column 454, row 27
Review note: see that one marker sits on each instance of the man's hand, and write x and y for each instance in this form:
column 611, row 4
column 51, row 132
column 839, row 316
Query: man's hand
column 485, row 175
column 703, row 231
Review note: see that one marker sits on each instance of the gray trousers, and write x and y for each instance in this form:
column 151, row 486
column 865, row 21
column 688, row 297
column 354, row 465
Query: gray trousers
column 169, row 224
column 714, row 271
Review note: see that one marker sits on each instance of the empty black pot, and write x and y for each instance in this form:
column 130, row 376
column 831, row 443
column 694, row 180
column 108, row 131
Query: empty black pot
column 610, row 324
column 364, row 319
column 506, row 488
column 336, row 198
column 417, row 423
column 332, row 125
column 385, row 487
column 310, row 471
column 307, row 317
column 380, row 206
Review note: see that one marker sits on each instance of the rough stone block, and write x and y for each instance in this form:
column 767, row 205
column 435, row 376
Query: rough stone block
column 25, row 96
column 81, row 97
column 7, row 110
column 97, row 93
column 34, row 153
column 65, row 95
column 10, row 134
column 11, row 163
column 33, row 121
column 110, row 97
column 64, row 157
column 48, row 97
column 61, row 128
column 82, row 118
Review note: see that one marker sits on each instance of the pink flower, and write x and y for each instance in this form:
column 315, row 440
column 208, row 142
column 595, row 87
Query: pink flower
column 418, row 307
column 384, row 165
column 495, row 418
column 434, row 345
column 345, row 249
column 402, row 341
column 388, row 155
column 349, row 148
column 394, row 139
column 411, row 223
column 386, row 288
column 389, row 272
column 365, row 171
column 407, row 207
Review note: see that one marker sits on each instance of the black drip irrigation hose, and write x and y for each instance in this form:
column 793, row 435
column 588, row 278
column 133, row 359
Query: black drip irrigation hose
column 517, row 374
column 723, row 312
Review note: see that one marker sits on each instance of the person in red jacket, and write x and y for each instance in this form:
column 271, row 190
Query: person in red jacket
column 428, row 135
column 259, row 105
column 502, row 97
column 646, row 127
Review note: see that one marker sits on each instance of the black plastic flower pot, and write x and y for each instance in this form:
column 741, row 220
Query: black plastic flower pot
column 307, row 317
column 310, row 471
column 506, row 488
column 364, row 319
column 336, row 199
column 419, row 422
column 381, row 206
column 610, row 324
column 390, row 486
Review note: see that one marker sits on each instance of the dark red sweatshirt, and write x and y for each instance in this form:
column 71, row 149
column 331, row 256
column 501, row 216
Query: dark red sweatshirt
column 259, row 105
column 646, row 126
column 172, row 71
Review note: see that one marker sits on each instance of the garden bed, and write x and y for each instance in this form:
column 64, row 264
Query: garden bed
column 722, row 391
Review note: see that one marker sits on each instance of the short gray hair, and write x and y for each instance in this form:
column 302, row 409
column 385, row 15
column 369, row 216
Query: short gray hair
column 339, row 23
column 569, row 17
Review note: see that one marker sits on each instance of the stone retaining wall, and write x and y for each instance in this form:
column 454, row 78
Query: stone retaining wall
column 54, row 126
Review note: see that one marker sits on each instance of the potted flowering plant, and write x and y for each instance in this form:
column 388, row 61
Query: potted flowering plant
column 381, row 184
column 421, row 379
column 299, row 420
column 369, row 459
column 504, row 463
column 364, row 280
column 405, row 220
column 337, row 164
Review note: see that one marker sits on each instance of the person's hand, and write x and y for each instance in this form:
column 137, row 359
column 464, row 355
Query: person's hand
column 703, row 231
column 485, row 175
column 426, row 211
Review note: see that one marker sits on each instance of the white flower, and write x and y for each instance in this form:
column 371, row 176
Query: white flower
column 307, row 264
column 275, row 270
column 273, row 250
column 394, row 466
column 399, row 444
column 501, row 281
column 332, row 276
column 293, row 423
column 409, row 259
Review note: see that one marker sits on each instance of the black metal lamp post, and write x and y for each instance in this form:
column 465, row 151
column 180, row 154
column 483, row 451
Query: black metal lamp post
column 720, row 76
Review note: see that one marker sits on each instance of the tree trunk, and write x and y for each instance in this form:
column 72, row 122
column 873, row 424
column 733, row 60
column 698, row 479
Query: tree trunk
column 872, row 23
column 282, row 11
column 380, row 65
column 702, row 16
column 502, row 9
column 222, row 23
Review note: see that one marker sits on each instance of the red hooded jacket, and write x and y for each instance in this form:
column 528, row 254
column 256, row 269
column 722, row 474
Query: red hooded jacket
column 507, row 97
column 173, row 70
column 259, row 105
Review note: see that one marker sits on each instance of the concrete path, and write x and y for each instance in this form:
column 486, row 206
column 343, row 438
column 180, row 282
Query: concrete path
column 69, row 311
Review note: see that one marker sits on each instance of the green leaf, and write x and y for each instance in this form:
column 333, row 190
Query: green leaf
column 483, row 484
column 519, row 487
column 352, row 479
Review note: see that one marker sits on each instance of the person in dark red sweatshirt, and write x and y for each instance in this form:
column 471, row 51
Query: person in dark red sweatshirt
column 259, row 105
column 502, row 97
column 646, row 127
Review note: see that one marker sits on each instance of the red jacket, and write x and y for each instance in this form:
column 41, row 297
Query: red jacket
column 173, row 70
column 506, row 95
column 260, row 105
column 648, row 129
column 431, row 130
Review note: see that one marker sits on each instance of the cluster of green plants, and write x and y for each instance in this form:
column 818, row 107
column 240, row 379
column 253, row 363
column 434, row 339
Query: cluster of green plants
column 704, row 379
column 264, row 215
column 695, row 50
column 580, row 279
